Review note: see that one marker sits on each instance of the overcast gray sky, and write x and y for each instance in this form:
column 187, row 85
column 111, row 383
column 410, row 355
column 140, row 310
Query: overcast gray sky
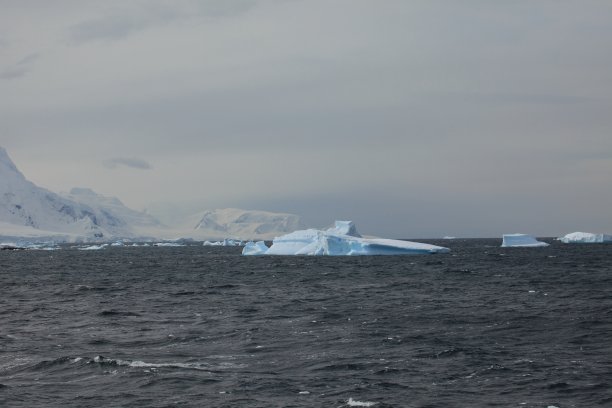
column 412, row 118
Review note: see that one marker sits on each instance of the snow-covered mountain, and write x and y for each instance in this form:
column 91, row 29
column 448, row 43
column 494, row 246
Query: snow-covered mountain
column 34, row 213
column 80, row 215
column 137, row 221
column 242, row 224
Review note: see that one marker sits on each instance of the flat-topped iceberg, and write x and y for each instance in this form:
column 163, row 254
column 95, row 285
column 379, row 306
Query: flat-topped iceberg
column 585, row 238
column 521, row 240
column 342, row 239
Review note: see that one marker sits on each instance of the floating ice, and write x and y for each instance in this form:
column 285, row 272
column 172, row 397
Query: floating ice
column 225, row 242
column 521, row 240
column 585, row 238
column 337, row 241
column 255, row 248
column 93, row 247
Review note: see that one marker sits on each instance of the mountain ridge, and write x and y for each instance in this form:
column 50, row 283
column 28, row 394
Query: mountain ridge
column 84, row 215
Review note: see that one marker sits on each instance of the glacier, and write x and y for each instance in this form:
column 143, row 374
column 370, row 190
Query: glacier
column 585, row 238
column 521, row 240
column 342, row 239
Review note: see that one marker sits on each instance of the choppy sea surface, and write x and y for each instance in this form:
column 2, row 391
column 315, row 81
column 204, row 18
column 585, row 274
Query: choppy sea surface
column 201, row 326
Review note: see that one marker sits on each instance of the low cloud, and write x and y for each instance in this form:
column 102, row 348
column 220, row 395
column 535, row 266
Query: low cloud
column 128, row 162
column 129, row 19
column 105, row 28
column 20, row 68
column 28, row 59
column 13, row 72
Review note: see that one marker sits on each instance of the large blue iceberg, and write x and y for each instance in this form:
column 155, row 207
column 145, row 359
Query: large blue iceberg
column 521, row 240
column 342, row 239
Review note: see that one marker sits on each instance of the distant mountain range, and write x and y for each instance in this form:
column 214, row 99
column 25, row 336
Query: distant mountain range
column 233, row 222
column 34, row 213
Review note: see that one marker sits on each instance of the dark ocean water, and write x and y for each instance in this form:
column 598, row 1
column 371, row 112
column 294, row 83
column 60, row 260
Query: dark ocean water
column 205, row 327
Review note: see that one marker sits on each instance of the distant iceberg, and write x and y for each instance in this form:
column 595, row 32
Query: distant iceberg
column 225, row 242
column 342, row 239
column 10, row 246
column 585, row 238
column 93, row 247
column 168, row 244
column 255, row 248
column 521, row 240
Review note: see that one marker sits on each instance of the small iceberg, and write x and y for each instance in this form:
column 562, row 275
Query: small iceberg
column 585, row 238
column 521, row 240
column 342, row 239
column 255, row 248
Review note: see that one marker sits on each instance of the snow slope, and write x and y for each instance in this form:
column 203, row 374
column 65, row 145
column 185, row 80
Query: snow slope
column 138, row 224
column 81, row 215
column 36, row 214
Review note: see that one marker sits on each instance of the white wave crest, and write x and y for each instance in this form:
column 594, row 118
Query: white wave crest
column 202, row 366
column 354, row 403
